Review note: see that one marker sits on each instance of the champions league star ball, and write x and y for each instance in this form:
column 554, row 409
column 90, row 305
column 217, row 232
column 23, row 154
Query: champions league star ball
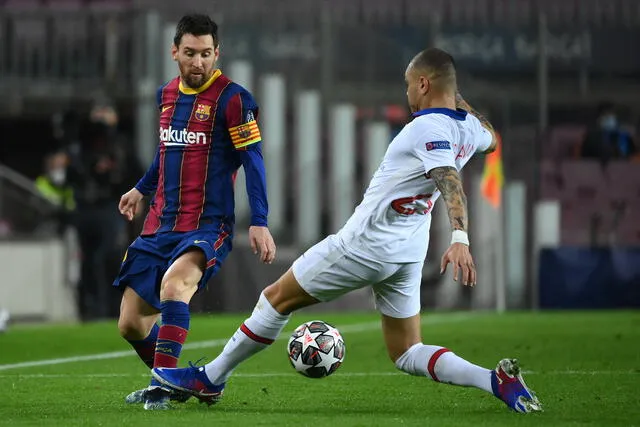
column 316, row 349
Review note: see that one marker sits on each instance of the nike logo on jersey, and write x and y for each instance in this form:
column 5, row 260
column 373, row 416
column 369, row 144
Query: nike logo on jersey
column 166, row 107
column 199, row 241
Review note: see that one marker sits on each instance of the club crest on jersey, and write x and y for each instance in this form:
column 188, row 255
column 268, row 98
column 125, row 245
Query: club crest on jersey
column 203, row 112
column 244, row 132
column 438, row 145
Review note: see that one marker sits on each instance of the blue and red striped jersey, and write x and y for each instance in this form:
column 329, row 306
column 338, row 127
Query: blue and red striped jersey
column 205, row 135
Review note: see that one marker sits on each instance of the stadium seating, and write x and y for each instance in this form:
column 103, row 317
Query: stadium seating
column 582, row 188
column 624, row 179
column 550, row 179
column 564, row 142
column 600, row 203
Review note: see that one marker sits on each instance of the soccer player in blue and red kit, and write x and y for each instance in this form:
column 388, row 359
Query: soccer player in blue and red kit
column 207, row 131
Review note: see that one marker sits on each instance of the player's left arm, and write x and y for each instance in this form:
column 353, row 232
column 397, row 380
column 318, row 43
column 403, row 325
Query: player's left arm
column 434, row 148
column 242, row 114
column 461, row 103
column 256, row 185
column 448, row 181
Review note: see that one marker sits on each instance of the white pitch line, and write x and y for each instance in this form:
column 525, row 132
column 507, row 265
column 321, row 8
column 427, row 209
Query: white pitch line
column 100, row 356
column 292, row 374
column 354, row 328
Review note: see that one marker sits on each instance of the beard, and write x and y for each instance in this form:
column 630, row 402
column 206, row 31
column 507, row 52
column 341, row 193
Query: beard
column 195, row 81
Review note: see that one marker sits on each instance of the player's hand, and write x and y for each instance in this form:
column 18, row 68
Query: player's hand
column 262, row 242
column 459, row 256
column 129, row 203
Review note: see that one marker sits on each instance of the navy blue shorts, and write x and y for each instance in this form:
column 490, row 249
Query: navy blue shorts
column 149, row 257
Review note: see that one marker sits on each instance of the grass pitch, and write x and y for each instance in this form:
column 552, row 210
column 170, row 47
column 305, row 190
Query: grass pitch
column 584, row 366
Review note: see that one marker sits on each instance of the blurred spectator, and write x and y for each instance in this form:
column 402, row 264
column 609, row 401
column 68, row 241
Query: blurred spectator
column 607, row 140
column 53, row 185
column 102, row 168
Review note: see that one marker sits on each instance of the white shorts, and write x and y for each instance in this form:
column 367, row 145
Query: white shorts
column 329, row 270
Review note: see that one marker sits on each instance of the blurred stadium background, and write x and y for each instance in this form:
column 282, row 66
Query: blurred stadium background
column 552, row 226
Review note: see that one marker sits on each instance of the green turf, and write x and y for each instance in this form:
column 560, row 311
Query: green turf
column 585, row 367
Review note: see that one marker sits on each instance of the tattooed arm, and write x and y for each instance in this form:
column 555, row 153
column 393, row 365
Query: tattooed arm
column 448, row 181
column 461, row 103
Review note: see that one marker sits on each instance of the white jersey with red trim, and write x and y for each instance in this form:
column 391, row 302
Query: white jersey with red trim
column 392, row 221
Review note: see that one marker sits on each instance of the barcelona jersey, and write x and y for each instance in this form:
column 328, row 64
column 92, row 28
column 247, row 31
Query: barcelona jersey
column 205, row 135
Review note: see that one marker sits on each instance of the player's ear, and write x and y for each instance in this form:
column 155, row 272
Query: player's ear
column 216, row 53
column 425, row 85
column 174, row 52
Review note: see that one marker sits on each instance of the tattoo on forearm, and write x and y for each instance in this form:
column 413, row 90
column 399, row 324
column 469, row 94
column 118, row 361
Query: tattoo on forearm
column 448, row 181
column 461, row 103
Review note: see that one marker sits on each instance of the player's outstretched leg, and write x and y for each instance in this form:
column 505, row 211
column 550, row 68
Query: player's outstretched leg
column 442, row 365
column 268, row 319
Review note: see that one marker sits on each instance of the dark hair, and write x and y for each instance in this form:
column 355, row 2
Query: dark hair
column 438, row 66
column 436, row 60
column 198, row 25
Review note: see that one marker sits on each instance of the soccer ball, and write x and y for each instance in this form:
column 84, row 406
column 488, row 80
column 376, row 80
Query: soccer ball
column 316, row 349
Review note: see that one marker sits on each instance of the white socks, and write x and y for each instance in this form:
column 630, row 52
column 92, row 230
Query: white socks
column 265, row 324
column 254, row 335
column 444, row 366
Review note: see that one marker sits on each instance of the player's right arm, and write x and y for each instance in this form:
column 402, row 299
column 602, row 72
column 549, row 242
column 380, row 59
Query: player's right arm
column 130, row 201
column 461, row 103
column 149, row 181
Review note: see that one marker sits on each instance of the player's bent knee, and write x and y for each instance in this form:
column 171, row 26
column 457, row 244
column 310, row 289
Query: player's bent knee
column 177, row 289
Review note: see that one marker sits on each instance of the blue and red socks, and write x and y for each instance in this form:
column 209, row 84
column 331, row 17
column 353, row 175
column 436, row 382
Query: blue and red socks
column 146, row 348
column 172, row 333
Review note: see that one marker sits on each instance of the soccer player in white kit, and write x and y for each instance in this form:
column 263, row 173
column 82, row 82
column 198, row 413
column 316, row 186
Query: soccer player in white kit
column 383, row 245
